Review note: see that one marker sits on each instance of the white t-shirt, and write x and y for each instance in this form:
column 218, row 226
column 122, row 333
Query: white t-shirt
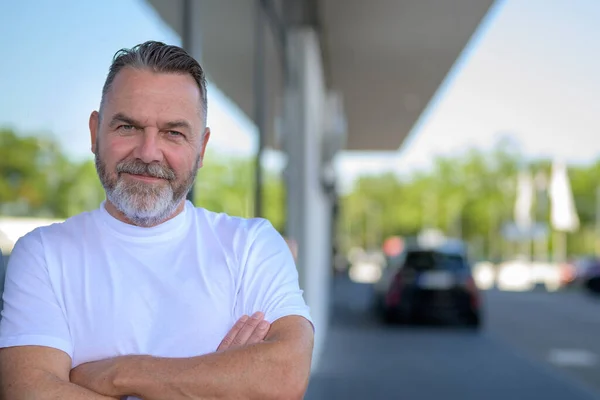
column 95, row 287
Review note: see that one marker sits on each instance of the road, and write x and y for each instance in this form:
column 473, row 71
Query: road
column 534, row 345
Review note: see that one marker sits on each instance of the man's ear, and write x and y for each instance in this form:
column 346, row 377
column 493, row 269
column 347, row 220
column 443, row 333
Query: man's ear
column 205, row 138
column 94, row 125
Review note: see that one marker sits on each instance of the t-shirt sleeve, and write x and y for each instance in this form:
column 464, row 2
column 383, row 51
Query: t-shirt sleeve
column 270, row 279
column 32, row 315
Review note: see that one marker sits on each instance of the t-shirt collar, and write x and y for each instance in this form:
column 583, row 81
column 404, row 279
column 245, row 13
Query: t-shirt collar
column 166, row 230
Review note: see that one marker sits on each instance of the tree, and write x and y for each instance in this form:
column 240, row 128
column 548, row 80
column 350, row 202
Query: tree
column 36, row 179
column 470, row 196
column 226, row 184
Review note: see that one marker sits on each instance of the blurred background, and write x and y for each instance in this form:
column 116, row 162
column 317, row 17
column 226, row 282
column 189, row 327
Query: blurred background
column 436, row 163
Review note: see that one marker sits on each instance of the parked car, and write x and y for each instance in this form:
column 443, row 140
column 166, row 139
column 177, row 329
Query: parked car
column 573, row 271
column 590, row 278
column 582, row 272
column 432, row 285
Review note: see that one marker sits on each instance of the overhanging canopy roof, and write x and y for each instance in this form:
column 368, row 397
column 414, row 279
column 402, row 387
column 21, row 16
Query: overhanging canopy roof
column 387, row 57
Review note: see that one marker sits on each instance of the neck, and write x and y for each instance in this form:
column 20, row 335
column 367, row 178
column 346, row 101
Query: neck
column 114, row 212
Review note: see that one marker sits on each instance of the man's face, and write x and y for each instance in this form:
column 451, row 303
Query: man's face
column 149, row 143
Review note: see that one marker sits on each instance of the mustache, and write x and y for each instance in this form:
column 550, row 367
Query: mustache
column 137, row 167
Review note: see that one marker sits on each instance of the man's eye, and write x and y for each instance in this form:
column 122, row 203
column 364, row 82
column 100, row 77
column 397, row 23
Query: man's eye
column 126, row 127
column 175, row 133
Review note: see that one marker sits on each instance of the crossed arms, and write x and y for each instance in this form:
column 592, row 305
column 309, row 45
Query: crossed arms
column 250, row 363
column 254, row 361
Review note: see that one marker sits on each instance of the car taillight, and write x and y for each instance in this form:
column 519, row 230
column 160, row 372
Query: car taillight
column 473, row 292
column 395, row 291
column 567, row 273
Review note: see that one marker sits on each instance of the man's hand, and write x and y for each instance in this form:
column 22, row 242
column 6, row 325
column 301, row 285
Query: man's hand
column 99, row 376
column 246, row 331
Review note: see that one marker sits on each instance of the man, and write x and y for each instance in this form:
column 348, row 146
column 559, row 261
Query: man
column 148, row 297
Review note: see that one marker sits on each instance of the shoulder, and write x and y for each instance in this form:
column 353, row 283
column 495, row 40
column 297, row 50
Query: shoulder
column 232, row 228
column 240, row 236
column 46, row 236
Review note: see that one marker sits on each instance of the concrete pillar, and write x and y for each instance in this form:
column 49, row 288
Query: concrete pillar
column 191, row 40
column 308, row 205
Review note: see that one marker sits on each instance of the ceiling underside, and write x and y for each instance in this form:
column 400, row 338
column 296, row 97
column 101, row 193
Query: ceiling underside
column 386, row 57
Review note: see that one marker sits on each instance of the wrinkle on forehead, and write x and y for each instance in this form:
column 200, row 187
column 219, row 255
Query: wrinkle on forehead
column 172, row 95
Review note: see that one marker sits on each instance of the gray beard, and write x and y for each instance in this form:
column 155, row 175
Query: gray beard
column 144, row 204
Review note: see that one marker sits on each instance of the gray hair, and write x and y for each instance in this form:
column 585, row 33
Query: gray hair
column 157, row 57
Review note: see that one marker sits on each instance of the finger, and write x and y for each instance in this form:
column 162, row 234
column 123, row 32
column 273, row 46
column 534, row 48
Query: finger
column 260, row 333
column 231, row 335
column 244, row 334
column 229, row 338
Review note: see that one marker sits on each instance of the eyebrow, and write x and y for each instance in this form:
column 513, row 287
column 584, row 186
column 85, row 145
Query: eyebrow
column 177, row 124
column 122, row 118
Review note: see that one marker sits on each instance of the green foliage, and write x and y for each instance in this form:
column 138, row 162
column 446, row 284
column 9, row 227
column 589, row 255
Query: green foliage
column 36, row 179
column 469, row 196
column 227, row 185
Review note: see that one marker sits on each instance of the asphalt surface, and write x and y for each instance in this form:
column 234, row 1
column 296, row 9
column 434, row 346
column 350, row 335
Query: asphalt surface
column 534, row 345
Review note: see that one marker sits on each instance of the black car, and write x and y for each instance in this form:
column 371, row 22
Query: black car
column 590, row 278
column 433, row 286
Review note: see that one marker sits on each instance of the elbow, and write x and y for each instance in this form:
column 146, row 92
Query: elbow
column 299, row 391
column 284, row 385
column 290, row 391
column 296, row 390
column 291, row 385
column 292, row 371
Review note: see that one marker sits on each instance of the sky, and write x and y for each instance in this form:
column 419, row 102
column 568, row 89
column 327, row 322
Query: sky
column 529, row 73
column 59, row 58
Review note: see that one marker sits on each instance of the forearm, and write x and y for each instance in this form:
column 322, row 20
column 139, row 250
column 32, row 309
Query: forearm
column 45, row 386
column 262, row 371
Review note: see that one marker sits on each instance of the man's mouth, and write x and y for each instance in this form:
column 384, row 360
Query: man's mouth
column 145, row 178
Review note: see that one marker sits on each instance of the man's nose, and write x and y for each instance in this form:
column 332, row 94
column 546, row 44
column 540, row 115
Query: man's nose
column 148, row 149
